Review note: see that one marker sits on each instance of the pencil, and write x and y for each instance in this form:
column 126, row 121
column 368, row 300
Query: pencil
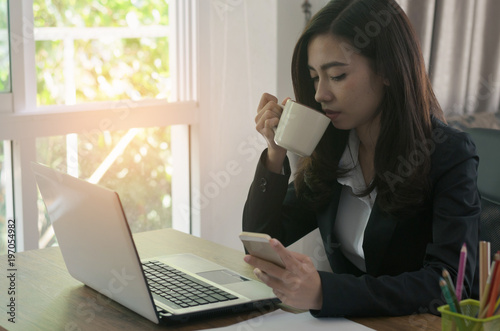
column 447, row 295
column 461, row 271
column 484, row 297
column 449, row 284
column 494, row 289
column 497, row 306
column 484, row 265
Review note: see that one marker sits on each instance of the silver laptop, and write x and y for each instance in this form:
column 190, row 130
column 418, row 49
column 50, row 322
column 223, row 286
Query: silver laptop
column 98, row 249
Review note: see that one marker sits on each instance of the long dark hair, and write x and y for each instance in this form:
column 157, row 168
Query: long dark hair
column 380, row 31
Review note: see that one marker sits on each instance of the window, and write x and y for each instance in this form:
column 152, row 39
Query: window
column 102, row 95
column 136, row 163
column 5, row 82
column 101, row 50
column 90, row 52
column 4, row 48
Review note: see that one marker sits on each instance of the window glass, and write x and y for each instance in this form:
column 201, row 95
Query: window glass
column 101, row 50
column 136, row 163
column 4, row 47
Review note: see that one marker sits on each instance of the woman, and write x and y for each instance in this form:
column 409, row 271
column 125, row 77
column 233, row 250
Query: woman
column 390, row 186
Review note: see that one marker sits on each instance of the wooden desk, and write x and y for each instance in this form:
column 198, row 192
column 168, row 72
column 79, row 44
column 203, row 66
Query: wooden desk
column 48, row 298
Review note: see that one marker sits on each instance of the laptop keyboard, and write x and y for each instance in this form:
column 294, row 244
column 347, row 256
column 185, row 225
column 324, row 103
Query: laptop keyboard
column 180, row 289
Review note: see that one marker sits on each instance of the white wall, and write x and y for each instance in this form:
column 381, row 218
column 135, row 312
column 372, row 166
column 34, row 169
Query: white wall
column 246, row 48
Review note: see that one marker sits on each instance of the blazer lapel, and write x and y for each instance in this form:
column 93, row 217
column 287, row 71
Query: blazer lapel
column 377, row 237
column 326, row 221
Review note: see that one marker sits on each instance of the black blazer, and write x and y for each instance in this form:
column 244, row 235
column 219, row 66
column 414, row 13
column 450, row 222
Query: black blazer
column 404, row 256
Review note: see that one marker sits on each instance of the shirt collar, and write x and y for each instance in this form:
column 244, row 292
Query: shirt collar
column 349, row 158
column 354, row 178
column 349, row 161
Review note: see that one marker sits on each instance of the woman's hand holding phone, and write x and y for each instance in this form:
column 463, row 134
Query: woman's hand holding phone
column 296, row 282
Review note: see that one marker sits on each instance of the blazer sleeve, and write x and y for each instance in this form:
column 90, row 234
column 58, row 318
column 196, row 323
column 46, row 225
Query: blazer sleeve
column 455, row 220
column 273, row 208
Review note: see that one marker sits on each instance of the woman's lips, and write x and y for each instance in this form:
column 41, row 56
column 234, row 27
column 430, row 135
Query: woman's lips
column 331, row 114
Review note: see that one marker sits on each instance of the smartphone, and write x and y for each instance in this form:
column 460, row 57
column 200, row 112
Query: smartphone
column 257, row 244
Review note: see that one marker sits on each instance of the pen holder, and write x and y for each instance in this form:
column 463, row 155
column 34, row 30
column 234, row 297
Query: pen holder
column 467, row 321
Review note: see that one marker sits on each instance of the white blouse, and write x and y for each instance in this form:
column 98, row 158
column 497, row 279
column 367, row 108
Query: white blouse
column 353, row 212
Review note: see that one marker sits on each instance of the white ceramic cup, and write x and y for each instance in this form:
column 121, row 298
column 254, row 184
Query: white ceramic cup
column 300, row 128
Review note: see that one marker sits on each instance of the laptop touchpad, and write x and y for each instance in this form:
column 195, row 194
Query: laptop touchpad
column 223, row 277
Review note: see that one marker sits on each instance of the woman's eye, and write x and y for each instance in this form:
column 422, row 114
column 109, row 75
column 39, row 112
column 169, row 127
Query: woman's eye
column 338, row 78
column 315, row 78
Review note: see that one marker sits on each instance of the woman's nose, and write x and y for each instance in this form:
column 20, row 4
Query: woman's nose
column 323, row 92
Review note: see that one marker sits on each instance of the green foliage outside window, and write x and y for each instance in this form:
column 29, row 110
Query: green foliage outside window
column 95, row 13
column 142, row 175
column 106, row 68
column 4, row 48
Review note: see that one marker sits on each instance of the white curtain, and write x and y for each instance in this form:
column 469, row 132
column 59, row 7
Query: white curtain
column 461, row 46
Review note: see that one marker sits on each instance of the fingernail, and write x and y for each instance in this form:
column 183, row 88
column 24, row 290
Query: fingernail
column 246, row 258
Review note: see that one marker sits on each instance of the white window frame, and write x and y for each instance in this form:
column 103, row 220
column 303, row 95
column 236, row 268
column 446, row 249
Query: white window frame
column 5, row 102
column 21, row 121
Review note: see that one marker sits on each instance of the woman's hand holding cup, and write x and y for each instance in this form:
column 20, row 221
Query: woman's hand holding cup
column 267, row 119
column 299, row 129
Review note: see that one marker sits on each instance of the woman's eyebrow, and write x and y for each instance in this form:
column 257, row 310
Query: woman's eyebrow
column 329, row 65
